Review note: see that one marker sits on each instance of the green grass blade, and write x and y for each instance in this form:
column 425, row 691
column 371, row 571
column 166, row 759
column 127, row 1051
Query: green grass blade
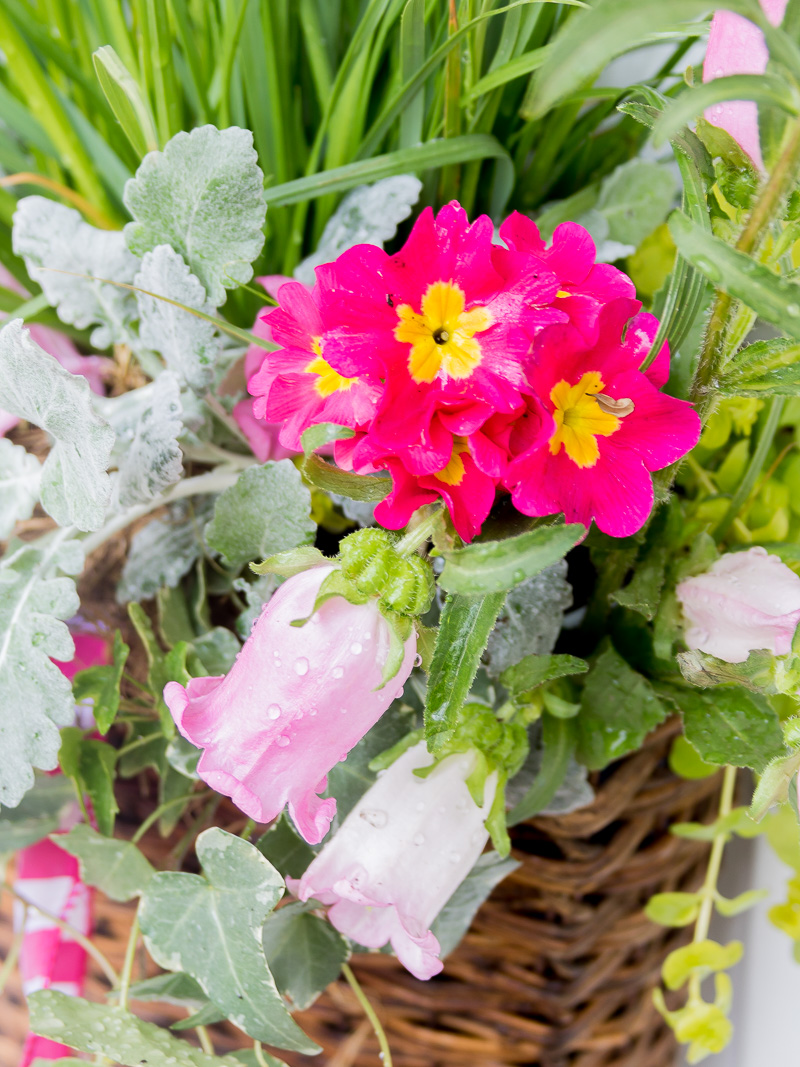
column 126, row 101
column 412, row 57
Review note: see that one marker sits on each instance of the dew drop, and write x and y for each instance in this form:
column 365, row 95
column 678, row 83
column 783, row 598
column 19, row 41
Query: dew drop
column 375, row 817
column 277, row 663
column 356, row 648
column 274, row 711
column 418, row 839
column 455, row 857
column 343, row 711
column 337, row 672
column 367, row 635
column 418, row 660
column 301, row 666
column 282, row 741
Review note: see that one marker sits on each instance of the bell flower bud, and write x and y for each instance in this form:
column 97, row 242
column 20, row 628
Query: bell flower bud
column 294, row 703
column 400, row 855
column 745, row 601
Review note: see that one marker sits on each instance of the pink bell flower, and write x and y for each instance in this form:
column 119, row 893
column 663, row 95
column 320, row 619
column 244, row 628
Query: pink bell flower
column 737, row 46
column 293, row 705
column 612, row 424
column 745, row 601
column 400, row 855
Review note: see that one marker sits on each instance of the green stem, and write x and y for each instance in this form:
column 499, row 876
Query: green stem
column 369, row 1011
column 205, row 1041
column 159, row 811
column 754, row 468
column 418, row 534
column 247, row 829
column 127, row 966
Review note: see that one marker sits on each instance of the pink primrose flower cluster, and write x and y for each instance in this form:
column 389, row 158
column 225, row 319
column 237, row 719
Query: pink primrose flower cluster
column 467, row 368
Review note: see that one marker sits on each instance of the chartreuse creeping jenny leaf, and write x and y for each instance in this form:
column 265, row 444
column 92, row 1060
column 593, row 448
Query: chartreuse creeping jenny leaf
column 304, row 953
column 35, row 697
column 203, row 195
column 498, row 566
column 210, row 927
column 267, row 511
column 19, row 485
column 701, row 958
column 75, row 487
column 115, row 867
column 113, row 1032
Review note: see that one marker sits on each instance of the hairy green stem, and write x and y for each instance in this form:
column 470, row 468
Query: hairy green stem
column 754, row 468
column 418, row 534
column 369, row 1011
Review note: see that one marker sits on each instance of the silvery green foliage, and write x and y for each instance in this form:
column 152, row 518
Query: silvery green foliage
column 152, row 460
column 164, row 550
column 574, row 791
column 531, row 620
column 369, row 214
column 255, row 595
column 50, row 235
column 204, row 196
column 19, row 485
column 360, row 511
column 188, row 344
column 35, row 697
column 455, row 918
column 75, row 488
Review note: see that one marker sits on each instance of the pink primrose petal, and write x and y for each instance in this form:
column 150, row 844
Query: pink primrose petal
column 294, row 703
column 659, row 430
column 263, row 437
column 470, row 501
column 271, row 283
column 297, row 321
column 521, row 233
column 396, row 509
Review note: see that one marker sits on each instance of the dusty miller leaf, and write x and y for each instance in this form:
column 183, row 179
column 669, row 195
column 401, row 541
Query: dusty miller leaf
column 635, row 198
column 369, row 214
column 203, row 195
column 531, row 619
column 164, row 550
column 38, row 813
column 35, row 697
column 19, row 485
column 455, row 918
column 49, row 235
column 189, row 344
column 152, row 461
column 75, row 488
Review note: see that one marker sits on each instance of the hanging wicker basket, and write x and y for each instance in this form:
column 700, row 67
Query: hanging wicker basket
column 557, row 968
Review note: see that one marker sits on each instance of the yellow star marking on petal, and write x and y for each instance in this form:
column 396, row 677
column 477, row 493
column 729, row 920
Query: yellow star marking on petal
column 580, row 419
column 330, row 381
column 442, row 334
column 453, row 473
column 562, row 293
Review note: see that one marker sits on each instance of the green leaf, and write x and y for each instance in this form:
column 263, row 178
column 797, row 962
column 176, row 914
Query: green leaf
column 287, row 564
column 673, row 909
column 113, row 1032
column 536, row 670
column 464, row 629
column 775, row 299
column 38, row 814
column 35, row 696
column 729, row 725
column 91, row 764
column 189, row 345
column 773, row 784
column 125, row 99
column 160, row 668
column 736, row 905
column 756, row 673
column 210, row 927
column 203, row 196
column 701, row 958
column 345, row 483
column 304, row 953
column 643, row 591
column 496, row 566
column 530, row 621
column 180, row 989
column 117, row 868
column 619, row 708
column 217, row 650
column 635, row 198
column 20, row 473
column 164, row 550
column 558, row 746
column 75, row 487
column 267, row 511
column 322, row 434
column 456, row 916
column 285, row 849
column 764, row 88
column 101, row 685
column 766, row 368
column 685, row 762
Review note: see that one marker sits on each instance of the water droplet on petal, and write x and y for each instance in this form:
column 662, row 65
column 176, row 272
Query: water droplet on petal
column 301, row 666
column 367, row 635
column 277, row 663
column 337, row 672
column 418, row 660
column 274, row 711
column 356, row 648
column 462, row 804
column 282, row 741
column 418, row 839
column 343, row 711
column 376, row 818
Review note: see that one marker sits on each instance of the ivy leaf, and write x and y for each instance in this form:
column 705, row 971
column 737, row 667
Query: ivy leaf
column 20, row 473
column 497, row 566
column 210, row 927
column 49, row 235
column 190, row 345
column 267, row 511
column 101, row 685
column 456, row 916
column 204, row 196
column 90, row 763
column 37, row 815
column 618, row 709
column 113, row 1032
column 304, row 953
column 35, row 696
column 115, row 867
column 75, row 488
column 152, row 461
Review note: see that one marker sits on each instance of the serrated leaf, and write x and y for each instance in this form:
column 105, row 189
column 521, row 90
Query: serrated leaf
column 285, row 849
column 125, row 99
column 117, row 868
column 456, row 916
column 773, row 784
column 464, row 629
column 210, row 927
column 49, row 235
column 530, row 621
column 267, row 511
column 189, row 345
column 153, row 460
column 701, row 958
column 635, row 198
column 496, row 566
column 75, row 487
column 673, row 909
column 101, row 685
column 369, row 214
column 35, row 696
column 164, row 550
column 203, row 195
column 536, row 670
column 618, row 709
column 38, row 814
column 20, row 473
column 304, row 953
column 322, row 434
column 113, row 1032
column 294, row 561
column 766, row 368
column 345, row 483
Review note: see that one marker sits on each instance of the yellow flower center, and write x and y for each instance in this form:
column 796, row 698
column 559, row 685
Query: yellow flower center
column 330, row 381
column 581, row 417
column 442, row 334
column 453, row 473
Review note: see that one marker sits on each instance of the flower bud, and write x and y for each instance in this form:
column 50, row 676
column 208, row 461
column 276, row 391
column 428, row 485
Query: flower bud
column 294, row 703
column 745, row 601
column 404, row 584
